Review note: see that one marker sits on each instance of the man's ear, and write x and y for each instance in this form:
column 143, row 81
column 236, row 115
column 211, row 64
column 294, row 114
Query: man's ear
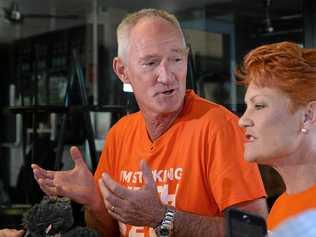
column 120, row 69
column 310, row 115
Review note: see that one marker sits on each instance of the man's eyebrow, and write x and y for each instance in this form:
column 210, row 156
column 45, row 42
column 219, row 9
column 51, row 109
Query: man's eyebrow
column 149, row 57
column 181, row 50
column 155, row 56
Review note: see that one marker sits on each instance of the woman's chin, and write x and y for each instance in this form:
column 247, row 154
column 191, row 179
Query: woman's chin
column 257, row 159
column 253, row 159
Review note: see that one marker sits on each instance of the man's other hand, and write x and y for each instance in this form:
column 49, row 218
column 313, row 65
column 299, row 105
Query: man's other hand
column 140, row 207
column 77, row 184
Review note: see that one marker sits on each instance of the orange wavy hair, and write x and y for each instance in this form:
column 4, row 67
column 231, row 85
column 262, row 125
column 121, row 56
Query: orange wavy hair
column 285, row 66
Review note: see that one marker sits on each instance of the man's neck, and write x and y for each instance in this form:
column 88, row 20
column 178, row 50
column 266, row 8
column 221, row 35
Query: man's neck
column 157, row 124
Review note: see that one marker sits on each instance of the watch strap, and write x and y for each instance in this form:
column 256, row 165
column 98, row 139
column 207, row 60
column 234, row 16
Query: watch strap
column 166, row 225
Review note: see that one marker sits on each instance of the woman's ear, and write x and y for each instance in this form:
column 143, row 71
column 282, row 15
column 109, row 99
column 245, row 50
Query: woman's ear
column 120, row 69
column 310, row 115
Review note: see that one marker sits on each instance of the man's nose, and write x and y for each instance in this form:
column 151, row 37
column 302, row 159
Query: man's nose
column 165, row 73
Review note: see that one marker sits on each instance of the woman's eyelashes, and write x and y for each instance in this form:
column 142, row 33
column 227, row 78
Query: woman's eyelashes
column 259, row 106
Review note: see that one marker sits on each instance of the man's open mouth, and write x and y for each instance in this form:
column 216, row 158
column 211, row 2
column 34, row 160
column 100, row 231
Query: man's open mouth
column 168, row 92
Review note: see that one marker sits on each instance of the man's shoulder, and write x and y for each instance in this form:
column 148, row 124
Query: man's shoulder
column 211, row 110
column 128, row 121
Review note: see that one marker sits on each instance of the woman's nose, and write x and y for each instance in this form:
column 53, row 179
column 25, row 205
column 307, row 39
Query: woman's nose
column 245, row 121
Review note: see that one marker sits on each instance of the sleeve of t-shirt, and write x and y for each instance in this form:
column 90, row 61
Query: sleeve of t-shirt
column 231, row 178
column 105, row 163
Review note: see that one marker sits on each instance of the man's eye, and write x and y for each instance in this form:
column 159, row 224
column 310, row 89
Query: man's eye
column 150, row 63
column 176, row 59
column 259, row 106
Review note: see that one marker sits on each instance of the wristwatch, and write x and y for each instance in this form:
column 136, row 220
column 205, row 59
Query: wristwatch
column 166, row 225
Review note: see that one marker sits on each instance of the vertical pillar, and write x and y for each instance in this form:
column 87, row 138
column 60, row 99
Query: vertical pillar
column 309, row 12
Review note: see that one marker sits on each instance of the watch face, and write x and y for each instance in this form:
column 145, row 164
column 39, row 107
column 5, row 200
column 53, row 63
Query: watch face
column 164, row 231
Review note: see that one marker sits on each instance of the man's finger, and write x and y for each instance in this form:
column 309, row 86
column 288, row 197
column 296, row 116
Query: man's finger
column 77, row 156
column 110, row 199
column 46, row 182
column 114, row 187
column 61, row 191
column 104, row 192
column 42, row 173
column 116, row 216
column 49, row 191
column 148, row 175
column 20, row 233
column 11, row 232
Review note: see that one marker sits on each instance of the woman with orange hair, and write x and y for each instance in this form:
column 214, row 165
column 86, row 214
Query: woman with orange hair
column 280, row 121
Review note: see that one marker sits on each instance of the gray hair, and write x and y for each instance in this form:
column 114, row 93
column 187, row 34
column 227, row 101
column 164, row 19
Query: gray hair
column 126, row 25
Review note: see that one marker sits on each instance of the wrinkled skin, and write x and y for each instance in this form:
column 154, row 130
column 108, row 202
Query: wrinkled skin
column 135, row 207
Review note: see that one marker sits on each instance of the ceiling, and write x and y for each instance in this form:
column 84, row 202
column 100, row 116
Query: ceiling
column 31, row 26
column 254, row 9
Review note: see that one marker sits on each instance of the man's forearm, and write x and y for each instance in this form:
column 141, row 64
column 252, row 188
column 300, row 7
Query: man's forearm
column 97, row 218
column 187, row 224
column 105, row 226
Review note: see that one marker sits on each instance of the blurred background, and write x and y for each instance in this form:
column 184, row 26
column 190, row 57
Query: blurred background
column 57, row 87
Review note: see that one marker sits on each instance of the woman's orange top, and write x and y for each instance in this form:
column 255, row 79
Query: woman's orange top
column 287, row 206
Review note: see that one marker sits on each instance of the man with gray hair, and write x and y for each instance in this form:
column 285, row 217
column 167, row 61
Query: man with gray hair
column 175, row 166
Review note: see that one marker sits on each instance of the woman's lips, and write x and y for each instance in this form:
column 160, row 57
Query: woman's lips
column 250, row 138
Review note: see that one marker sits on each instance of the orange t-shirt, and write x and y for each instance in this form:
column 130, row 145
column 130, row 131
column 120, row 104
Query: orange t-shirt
column 197, row 163
column 287, row 206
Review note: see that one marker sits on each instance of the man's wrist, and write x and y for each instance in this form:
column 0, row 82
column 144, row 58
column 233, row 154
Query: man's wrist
column 96, row 204
column 165, row 227
column 158, row 218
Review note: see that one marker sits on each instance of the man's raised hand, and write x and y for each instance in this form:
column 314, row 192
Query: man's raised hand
column 77, row 184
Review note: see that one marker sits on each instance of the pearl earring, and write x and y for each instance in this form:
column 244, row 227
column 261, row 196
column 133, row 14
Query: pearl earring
column 304, row 130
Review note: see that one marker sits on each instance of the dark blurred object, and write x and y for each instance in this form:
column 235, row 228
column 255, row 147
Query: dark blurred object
column 80, row 232
column 49, row 217
column 76, row 80
column 27, row 187
column 273, row 184
column 131, row 103
column 240, row 223
column 4, row 197
column 53, row 217
column 191, row 73
column 11, row 215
